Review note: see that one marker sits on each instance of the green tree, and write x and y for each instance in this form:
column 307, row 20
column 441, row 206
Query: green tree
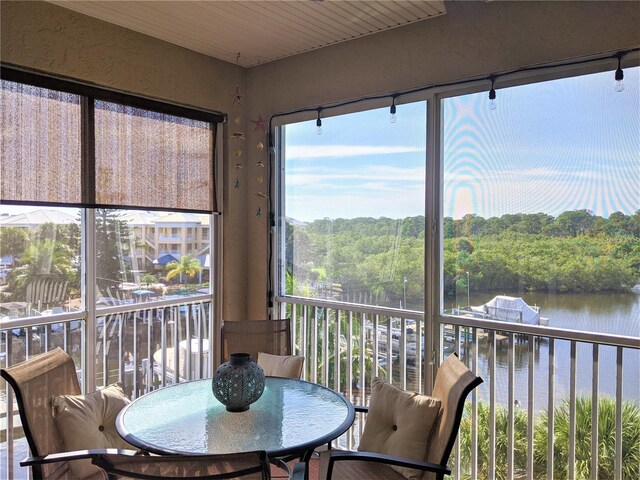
column 187, row 266
column 13, row 241
column 571, row 223
column 148, row 279
column 41, row 260
column 112, row 247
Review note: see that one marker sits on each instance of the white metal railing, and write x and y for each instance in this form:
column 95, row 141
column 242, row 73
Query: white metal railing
column 538, row 382
column 169, row 238
column 345, row 346
column 144, row 346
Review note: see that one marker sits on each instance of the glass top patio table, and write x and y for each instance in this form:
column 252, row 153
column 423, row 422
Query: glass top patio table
column 291, row 417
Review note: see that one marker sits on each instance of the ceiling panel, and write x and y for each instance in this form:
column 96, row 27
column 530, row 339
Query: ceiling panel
column 260, row 30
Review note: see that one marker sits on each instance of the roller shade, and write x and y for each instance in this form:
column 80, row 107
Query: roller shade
column 72, row 144
column 40, row 150
column 151, row 159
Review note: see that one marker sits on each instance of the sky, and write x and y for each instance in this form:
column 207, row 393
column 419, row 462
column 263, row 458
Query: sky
column 549, row 147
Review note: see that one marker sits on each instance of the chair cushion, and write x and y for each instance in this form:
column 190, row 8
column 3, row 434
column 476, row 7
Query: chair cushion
column 399, row 423
column 289, row 366
column 88, row 421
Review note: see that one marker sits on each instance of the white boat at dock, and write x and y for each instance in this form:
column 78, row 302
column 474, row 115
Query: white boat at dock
column 504, row 308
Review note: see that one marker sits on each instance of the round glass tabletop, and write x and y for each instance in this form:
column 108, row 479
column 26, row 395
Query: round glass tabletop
column 291, row 416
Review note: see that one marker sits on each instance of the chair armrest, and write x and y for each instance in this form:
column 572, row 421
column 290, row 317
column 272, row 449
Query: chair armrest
column 74, row 455
column 340, row 455
column 361, row 408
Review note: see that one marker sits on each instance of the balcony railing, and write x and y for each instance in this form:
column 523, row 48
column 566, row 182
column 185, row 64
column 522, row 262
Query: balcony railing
column 538, row 381
column 170, row 238
column 144, row 347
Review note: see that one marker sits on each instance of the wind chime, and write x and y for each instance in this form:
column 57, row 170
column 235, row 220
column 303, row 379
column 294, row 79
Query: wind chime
column 238, row 138
column 237, row 135
column 260, row 125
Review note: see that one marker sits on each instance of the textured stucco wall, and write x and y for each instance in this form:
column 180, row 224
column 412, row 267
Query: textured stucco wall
column 472, row 39
column 46, row 37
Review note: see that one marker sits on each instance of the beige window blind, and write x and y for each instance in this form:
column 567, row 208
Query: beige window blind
column 40, row 150
column 150, row 159
column 73, row 144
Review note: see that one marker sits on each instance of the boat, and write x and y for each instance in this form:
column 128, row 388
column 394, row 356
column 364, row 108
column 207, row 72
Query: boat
column 504, row 308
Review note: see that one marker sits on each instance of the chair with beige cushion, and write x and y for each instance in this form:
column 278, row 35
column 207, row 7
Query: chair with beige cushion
column 407, row 435
column 267, row 341
column 48, row 396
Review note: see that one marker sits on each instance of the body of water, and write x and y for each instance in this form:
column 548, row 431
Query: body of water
column 616, row 314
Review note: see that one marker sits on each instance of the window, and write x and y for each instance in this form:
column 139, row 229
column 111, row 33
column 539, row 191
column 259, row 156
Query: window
column 40, row 252
column 353, row 213
column 541, row 204
column 541, row 227
column 68, row 146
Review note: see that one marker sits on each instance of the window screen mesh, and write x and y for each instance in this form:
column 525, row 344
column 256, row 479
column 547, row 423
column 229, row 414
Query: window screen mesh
column 151, row 159
column 40, row 145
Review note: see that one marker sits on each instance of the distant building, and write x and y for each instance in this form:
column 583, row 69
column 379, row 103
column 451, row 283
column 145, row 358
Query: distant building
column 156, row 238
column 35, row 218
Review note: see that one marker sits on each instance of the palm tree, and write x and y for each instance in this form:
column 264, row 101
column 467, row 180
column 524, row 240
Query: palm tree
column 42, row 259
column 502, row 439
column 606, row 439
column 187, row 265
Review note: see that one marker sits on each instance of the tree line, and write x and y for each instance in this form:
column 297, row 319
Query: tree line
column 576, row 251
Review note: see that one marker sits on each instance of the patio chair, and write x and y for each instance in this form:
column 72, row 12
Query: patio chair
column 38, row 384
column 267, row 341
column 453, row 383
column 125, row 464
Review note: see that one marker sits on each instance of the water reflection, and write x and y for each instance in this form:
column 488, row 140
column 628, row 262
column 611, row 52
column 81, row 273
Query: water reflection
column 562, row 352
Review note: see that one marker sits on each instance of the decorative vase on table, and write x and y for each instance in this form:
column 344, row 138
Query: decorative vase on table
column 238, row 383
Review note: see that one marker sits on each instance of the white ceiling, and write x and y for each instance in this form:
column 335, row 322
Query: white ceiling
column 259, row 30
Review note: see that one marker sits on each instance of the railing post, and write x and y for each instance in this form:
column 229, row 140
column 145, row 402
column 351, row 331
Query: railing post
column 492, row 405
column 594, row 415
column 530, row 406
column 572, row 413
column 618, row 454
column 9, row 408
column 88, row 253
column 474, row 405
column 551, row 410
column 510, row 408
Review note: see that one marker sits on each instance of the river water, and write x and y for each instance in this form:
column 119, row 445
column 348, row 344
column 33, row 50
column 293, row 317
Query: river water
column 617, row 314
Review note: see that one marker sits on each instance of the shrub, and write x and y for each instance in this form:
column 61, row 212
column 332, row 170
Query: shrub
column 501, row 432
column 606, row 440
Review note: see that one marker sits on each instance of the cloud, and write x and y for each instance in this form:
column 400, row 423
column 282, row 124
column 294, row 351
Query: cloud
column 367, row 174
column 325, row 151
column 357, row 204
